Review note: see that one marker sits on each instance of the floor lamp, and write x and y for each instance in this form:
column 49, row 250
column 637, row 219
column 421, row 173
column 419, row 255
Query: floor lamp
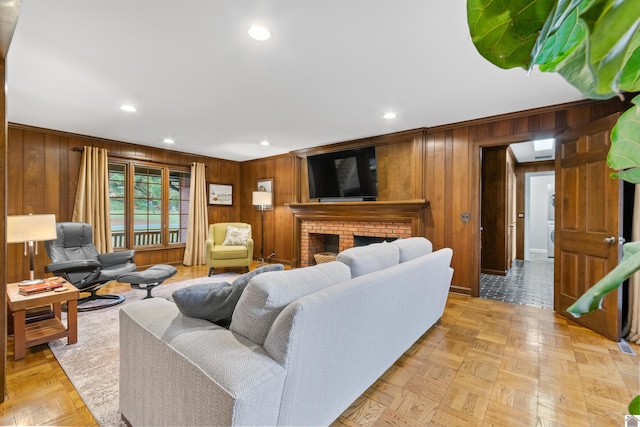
column 30, row 229
column 262, row 199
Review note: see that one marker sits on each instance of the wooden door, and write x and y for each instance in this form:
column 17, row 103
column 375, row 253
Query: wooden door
column 494, row 211
column 588, row 210
column 511, row 208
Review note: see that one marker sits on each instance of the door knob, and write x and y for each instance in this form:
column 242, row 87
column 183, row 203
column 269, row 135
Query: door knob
column 610, row 240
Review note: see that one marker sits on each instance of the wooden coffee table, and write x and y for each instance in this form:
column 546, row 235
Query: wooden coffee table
column 42, row 331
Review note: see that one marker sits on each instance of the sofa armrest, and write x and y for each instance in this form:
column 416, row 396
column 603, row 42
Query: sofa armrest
column 117, row 257
column 86, row 265
column 216, row 377
column 208, row 246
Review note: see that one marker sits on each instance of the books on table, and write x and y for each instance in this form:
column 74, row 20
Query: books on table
column 47, row 285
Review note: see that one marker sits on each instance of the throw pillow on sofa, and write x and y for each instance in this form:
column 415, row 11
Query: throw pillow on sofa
column 413, row 247
column 367, row 259
column 216, row 302
column 236, row 236
column 268, row 294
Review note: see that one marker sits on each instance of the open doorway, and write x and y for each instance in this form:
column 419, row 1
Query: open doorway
column 528, row 278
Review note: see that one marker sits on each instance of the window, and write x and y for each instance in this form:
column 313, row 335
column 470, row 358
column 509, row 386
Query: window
column 149, row 207
column 179, row 184
column 117, row 201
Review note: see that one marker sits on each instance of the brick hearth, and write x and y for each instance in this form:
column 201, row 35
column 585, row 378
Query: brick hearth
column 390, row 220
column 310, row 244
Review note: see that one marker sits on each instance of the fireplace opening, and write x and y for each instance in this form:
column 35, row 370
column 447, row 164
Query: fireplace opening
column 367, row 240
column 323, row 247
column 332, row 243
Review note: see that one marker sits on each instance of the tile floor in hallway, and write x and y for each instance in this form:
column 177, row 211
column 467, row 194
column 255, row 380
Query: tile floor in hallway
column 527, row 283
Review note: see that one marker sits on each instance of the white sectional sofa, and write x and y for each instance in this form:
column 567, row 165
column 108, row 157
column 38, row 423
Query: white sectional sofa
column 302, row 345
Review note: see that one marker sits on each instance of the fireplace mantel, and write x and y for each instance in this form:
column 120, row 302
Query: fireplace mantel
column 401, row 210
column 404, row 218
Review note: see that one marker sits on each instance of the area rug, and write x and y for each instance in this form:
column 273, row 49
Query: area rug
column 93, row 363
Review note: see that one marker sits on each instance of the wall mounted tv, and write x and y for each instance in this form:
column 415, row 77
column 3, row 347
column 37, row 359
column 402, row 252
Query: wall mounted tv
column 348, row 175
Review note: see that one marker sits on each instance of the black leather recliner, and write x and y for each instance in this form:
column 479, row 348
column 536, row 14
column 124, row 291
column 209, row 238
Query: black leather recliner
column 74, row 257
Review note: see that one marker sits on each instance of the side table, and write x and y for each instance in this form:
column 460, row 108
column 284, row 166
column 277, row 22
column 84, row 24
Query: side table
column 43, row 331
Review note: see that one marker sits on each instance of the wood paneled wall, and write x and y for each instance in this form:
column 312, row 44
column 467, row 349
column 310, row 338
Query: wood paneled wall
column 400, row 164
column 452, row 183
column 278, row 222
column 43, row 174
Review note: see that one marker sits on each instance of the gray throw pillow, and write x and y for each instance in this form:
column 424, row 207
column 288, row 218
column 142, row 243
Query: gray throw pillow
column 216, row 302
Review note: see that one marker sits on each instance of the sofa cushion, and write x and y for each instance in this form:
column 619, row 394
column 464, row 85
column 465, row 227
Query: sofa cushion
column 236, row 236
column 216, row 302
column 269, row 293
column 367, row 259
column 413, row 247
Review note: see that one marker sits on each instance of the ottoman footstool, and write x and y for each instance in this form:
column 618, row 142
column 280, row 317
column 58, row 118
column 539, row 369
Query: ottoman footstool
column 149, row 278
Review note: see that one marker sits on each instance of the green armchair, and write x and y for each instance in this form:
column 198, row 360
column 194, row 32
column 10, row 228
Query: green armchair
column 232, row 254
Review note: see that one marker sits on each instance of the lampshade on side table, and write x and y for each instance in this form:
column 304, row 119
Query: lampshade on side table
column 30, row 229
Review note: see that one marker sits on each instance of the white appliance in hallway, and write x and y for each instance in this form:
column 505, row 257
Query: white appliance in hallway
column 551, row 204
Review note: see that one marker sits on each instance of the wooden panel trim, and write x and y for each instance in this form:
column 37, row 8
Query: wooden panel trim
column 460, row 290
column 517, row 137
column 518, row 114
column 109, row 141
column 362, row 211
column 377, row 140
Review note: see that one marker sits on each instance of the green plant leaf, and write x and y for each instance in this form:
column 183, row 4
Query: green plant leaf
column 505, row 32
column 591, row 43
column 592, row 299
column 578, row 72
column 634, row 406
column 630, row 75
column 612, row 35
column 624, row 154
column 557, row 46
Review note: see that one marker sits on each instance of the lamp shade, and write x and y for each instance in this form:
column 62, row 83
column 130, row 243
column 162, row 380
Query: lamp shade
column 30, row 228
column 262, row 198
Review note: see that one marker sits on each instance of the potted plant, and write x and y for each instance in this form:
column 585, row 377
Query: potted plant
column 595, row 46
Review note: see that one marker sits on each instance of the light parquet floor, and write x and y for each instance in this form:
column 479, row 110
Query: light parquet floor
column 487, row 363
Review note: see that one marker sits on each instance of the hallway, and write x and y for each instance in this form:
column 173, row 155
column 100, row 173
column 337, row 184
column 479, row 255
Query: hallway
column 527, row 283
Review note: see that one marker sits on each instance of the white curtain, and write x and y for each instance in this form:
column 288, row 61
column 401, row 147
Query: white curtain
column 198, row 220
column 634, row 281
column 92, row 197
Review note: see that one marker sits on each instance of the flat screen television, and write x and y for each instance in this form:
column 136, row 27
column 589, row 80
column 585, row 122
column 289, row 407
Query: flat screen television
column 343, row 175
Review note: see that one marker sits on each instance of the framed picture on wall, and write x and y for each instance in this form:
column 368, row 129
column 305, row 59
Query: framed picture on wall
column 221, row 194
column 265, row 184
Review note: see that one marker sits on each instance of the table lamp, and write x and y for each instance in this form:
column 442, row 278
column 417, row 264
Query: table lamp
column 262, row 199
column 30, row 229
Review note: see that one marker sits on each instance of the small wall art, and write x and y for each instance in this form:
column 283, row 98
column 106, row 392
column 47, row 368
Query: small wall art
column 266, row 184
column 221, row 194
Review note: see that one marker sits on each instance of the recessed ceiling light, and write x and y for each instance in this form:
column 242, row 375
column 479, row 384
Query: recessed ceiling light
column 168, row 141
column 128, row 108
column 264, row 142
column 389, row 115
column 260, row 33
column 543, row 144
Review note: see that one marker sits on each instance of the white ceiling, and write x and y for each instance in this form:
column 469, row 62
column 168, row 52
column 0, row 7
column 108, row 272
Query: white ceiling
column 525, row 152
column 329, row 72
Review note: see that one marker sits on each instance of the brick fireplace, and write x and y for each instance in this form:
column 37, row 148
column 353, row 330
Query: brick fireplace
column 317, row 221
